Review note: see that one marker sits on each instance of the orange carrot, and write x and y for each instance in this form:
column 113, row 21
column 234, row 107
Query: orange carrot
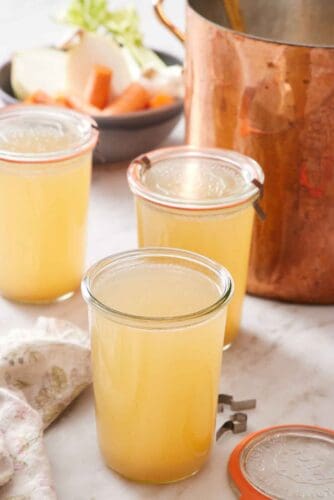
column 98, row 87
column 39, row 97
column 161, row 100
column 77, row 104
column 134, row 98
column 62, row 100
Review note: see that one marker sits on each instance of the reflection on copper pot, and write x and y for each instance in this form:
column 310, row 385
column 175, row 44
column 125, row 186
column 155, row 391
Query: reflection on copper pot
column 269, row 93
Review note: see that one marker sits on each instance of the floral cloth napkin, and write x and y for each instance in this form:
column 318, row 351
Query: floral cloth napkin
column 42, row 369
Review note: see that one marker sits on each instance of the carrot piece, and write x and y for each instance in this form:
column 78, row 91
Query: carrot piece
column 97, row 89
column 29, row 100
column 161, row 100
column 62, row 100
column 39, row 97
column 82, row 107
column 134, row 98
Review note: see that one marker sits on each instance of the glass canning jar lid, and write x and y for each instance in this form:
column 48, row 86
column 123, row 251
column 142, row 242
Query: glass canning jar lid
column 288, row 462
column 43, row 134
column 192, row 178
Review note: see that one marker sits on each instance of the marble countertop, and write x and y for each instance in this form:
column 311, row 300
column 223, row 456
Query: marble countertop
column 283, row 356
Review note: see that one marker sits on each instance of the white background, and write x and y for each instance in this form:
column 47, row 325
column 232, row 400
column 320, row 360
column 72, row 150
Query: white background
column 29, row 23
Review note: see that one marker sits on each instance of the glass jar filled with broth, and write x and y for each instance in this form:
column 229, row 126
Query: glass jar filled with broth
column 45, row 172
column 200, row 200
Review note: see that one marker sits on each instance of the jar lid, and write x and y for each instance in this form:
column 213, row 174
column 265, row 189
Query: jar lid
column 286, row 463
column 195, row 178
column 38, row 134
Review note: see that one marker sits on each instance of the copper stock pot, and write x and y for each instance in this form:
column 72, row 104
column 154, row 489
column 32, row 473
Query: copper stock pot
column 260, row 80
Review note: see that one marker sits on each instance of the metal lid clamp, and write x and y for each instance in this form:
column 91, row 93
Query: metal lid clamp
column 236, row 424
column 238, row 421
column 256, row 204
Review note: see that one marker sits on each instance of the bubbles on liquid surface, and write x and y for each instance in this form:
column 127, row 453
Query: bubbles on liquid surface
column 156, row 290
column 196, row 179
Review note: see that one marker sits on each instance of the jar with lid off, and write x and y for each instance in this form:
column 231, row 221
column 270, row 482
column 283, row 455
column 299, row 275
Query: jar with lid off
column 157, row 320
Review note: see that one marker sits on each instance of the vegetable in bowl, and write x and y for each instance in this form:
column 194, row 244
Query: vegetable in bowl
column 123, row 25
column 103, row 70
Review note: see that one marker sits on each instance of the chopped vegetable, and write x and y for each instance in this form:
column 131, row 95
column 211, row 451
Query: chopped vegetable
column 39, row 97
column 93, row 49
column 97, row 90
column 167, row 81
column 38, row 69
column 83, row 107
column 161, row 100
column 146, row 58
column 88, row 14
column 134, row 98
column 105, row 70
column 122, row 24
column 62, row 100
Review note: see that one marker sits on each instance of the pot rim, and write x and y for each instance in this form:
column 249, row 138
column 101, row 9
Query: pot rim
column 257, row 38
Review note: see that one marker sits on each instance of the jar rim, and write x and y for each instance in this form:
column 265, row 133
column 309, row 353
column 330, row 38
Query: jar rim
column 226, row 285
column 86, row 143
column 244, row 164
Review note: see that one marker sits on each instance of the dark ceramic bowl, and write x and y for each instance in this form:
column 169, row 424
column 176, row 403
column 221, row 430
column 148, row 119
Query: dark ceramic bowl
column 126, row 136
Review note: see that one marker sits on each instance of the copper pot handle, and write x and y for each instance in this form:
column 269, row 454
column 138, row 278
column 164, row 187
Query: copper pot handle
column 158, row 8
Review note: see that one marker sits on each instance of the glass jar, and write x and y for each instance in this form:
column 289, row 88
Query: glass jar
column 45, row 171
column 157, row 322
column 199, row 200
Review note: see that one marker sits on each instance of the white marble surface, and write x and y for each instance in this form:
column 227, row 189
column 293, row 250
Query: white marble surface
column 283, row 356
